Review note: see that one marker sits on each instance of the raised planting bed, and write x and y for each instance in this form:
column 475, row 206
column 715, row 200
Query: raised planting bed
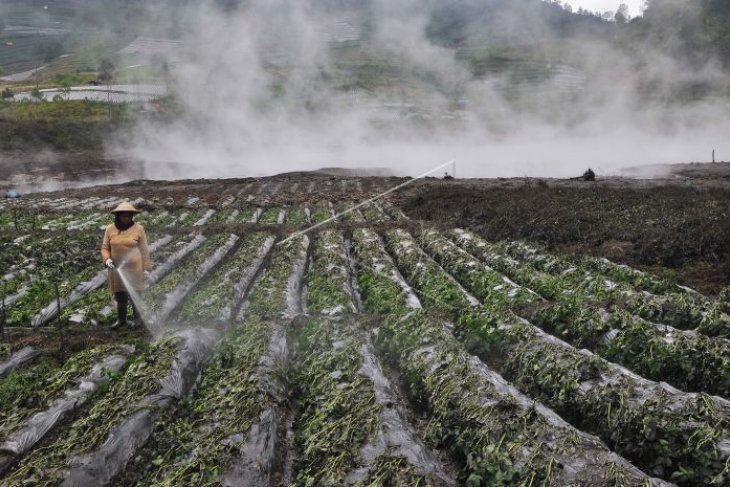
column 47, row 465
column 74, row 261
column 296, row 216
column 329, row 289
column 218, row 297
column 28, row 220
column 28, row 256
column 383, row 289
column 271, row 216
column 45, row 399
column 226, row 433
column 277, row 288
column 689, row 361
column 190, row 217
column 231, row 216
column 627, row 288
column 91, row 221
column 205, row 217
column 593, row 394
column 158, row 220
column 338, row 409
column 499, row 436
column 396, row 453
column 373, row 213
column 348, row 216
column 435, row 288
column 164, row 296
column 197, row 443
column 393, row 211
column 481, row 280
column 684, row 442
column 321, row 212
column 28, row 391
column 108, row 460
column 16, row 360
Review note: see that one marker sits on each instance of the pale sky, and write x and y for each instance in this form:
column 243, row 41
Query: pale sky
column 604, row 5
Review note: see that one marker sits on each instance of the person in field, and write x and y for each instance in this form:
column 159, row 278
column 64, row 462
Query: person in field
column 124, row 249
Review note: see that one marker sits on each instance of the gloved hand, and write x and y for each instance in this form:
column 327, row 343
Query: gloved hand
column 109, row 263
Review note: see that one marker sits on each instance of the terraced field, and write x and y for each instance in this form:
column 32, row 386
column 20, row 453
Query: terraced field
column 371, row 351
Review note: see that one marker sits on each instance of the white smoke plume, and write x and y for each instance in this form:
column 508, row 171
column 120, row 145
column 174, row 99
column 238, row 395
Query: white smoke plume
column 265, row 89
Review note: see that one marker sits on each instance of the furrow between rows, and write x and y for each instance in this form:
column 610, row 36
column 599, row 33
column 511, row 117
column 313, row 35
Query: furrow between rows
column 577, row 384
column 674, row 306
column 50, row 464
column 352, row 427
column 208, row 437
column 26, row 430
column 689, row 362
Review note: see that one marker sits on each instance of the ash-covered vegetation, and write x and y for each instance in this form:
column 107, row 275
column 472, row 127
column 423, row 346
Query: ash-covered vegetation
column 375, row 351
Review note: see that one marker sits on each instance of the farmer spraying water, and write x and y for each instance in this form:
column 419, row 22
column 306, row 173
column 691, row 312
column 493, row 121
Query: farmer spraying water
column 125, row 253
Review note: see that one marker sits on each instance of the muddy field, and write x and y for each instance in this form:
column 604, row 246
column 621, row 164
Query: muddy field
column 455, row 333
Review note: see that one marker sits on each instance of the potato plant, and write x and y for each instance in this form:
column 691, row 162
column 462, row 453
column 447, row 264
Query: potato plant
column 329, row 290
column 219, row 295
column 648, row 297
column 189, row 269
column 690, row 361
column 141, row 377
column 573, row 382
column 474, row 414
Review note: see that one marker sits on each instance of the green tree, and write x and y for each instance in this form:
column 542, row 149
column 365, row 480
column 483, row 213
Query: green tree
column 65, row 89
column 106, row 76
column 622, row 14
column 106, row 71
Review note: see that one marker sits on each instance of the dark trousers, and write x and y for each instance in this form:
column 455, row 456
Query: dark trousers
column 123, row 302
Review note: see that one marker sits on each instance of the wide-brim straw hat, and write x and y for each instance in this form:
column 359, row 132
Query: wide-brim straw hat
column 125, row 207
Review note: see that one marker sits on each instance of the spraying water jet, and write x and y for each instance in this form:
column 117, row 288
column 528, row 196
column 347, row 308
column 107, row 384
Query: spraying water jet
column 136, row 300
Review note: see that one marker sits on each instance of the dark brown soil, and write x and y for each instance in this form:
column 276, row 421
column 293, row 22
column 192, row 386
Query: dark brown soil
column 675, row 228
column 49, row 341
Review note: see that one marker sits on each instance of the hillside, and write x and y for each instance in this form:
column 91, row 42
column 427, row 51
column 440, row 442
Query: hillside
column 695, row 30
column 37, row 32
column 463, row 58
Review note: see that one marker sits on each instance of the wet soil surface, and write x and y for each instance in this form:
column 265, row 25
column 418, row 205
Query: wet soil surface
column 52, row 342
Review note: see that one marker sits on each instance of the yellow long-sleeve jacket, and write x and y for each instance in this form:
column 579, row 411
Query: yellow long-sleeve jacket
column 128, row 249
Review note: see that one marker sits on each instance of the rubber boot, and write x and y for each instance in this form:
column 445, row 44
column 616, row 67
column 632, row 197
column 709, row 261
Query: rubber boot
column 122, row 303
column 136, row 320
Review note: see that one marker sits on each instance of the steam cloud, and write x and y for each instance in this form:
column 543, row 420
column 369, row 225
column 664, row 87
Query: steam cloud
column 265, row 89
